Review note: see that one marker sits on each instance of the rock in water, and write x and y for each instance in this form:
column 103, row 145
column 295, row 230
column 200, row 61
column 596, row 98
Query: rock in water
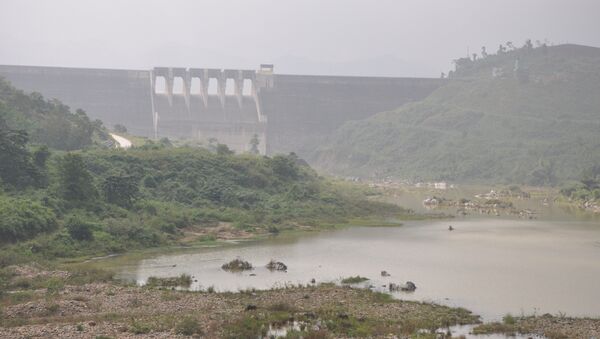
column 409, row 286
column 276, row 266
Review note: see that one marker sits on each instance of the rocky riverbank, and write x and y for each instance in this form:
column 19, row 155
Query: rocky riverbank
column 110, row 310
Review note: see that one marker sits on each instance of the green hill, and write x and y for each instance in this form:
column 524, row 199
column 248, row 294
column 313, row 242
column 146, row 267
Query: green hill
column 49, row 122
column 536, row 121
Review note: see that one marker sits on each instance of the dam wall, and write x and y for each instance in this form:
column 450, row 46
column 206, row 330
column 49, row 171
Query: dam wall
column 288, row 113
column 304, row 110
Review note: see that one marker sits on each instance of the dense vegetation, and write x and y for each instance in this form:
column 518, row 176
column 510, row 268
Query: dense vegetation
column 106, row 201
column 525, row 115
column 586, row 190
column 49, row 122
column 56, row 204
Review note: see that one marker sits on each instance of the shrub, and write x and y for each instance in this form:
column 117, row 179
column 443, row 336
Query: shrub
column 188, row 326
column 79, row 229
column 76, row 184
column 22, row 219
column 509, row 319
column 140, row 327
column 54, row 285
column 237, row 265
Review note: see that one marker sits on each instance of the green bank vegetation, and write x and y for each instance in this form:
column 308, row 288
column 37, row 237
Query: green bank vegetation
column 586, row 191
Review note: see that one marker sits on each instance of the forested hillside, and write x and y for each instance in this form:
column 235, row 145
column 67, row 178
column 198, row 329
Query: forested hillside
column 524, row 115
column 49, row 122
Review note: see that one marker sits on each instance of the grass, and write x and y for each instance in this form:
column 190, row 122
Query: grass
column 188, row 326
column 354, row 280
column 496, row 327
column 139, row 327
column 508, row 319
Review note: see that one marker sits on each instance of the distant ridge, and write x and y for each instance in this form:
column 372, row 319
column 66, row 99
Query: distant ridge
column 530, row 115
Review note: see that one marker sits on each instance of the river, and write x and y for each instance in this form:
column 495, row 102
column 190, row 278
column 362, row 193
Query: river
column 490, row 265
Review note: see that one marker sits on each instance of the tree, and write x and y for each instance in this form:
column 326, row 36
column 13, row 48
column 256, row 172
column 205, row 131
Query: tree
column 79, row 228
column 120, row 128
column 40, row 158
column 222, row 149
column 165, row 142
column 75, row 182
column 285, row 166
column 544, row 174
column 16, row 165
column 22, row 219
column 120, row 190
column 254, row 142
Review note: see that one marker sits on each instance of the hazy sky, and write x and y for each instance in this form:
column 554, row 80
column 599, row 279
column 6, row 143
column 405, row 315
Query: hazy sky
column 354, row 37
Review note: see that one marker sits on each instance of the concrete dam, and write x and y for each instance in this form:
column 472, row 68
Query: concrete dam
column 288, row 113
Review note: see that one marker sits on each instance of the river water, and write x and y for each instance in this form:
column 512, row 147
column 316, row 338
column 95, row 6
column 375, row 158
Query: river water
column 490, row 265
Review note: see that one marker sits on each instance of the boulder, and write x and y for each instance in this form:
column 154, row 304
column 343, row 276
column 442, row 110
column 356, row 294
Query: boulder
column 276, row 266
column 409, row 286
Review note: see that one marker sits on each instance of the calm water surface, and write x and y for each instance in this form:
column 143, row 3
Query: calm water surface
column 489, row 265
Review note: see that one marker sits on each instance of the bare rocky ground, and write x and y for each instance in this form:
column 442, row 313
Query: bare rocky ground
column 100, row 310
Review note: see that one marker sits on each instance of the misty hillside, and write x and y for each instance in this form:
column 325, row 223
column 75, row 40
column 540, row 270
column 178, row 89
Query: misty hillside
column 48, row 122
column 535, row 121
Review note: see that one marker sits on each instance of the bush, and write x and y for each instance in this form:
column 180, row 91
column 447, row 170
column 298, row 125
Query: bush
column 140, row 327
column 79, row 229
column 237, row 265
column 22, row 219
column 509, row 319
column 188, row 326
